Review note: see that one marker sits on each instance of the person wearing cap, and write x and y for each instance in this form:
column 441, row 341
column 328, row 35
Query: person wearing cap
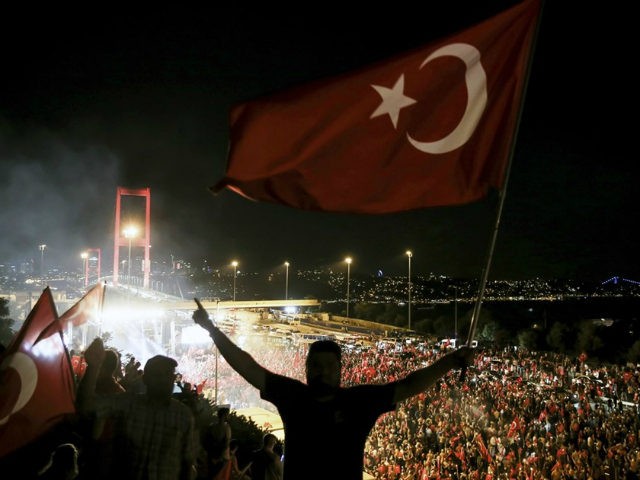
column 154, row 434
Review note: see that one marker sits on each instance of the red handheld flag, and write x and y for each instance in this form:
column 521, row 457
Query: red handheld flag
column 484, row 451
column 87, row 309
column 36, row 384
column 431, row 127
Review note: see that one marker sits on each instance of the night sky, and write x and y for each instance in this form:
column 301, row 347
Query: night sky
column 96, row 99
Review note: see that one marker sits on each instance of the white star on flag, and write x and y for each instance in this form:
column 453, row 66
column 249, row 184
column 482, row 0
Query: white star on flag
column 393, row 99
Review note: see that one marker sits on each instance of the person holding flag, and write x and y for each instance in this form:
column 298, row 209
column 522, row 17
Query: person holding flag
column 434, row 126
column 323, row 420
column 37, row 383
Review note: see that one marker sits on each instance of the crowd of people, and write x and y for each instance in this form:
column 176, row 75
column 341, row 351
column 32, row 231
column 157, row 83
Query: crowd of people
column 516, row 415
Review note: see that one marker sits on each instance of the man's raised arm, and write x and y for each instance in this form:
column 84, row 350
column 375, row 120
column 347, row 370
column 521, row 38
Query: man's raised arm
column 421, row 379
column 240, row 361
column 86, row 393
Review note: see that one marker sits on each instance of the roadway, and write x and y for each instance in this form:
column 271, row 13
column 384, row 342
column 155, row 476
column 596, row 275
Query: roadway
column 212, row 305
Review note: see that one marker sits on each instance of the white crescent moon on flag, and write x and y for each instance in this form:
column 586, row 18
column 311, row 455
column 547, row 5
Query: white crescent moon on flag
column 28, row 373
column 476, row 82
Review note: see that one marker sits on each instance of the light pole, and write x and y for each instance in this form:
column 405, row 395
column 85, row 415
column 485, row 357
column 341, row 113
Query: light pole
column 215, row 386
column 41, row 248
column 409, row 255
column 455, row 314
column 130, row 232
column 348, row 260
column 85, row 256
column 286, row 281
column 234, row 264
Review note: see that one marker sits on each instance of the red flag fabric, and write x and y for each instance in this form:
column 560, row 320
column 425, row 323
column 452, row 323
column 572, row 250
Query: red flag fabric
column 513, row 427
column 36, row 383
column 484, row 451
column 87, row 309
column 428, row 128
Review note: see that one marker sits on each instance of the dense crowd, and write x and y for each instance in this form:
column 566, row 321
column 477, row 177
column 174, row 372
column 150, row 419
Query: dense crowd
column 516, row 415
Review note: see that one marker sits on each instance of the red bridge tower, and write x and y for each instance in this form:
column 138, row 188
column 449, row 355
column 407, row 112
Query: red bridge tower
column 141, row 241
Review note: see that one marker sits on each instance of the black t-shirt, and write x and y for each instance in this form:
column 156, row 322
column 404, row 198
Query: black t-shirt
column 325, row 440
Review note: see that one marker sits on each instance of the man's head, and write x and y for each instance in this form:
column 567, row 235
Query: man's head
column 269, row 441
column 63, row 462
column 223, row 413
column 324, row 366
column 159, row 375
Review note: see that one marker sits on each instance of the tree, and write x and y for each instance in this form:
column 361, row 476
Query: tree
column 588, row 341
column 633, row 355
column 488, row 332
column 443, row 327
column 367, row 311
column 390, row 316
column 424, row 325
column 6, row 323
column 557, row 337
column 528, row 339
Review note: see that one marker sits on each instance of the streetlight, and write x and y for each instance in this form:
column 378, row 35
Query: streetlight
column 234, row 264
column 130, row 232
column 286, row 281
column 42, row 247
column 409, row 255
column 348, row 260
column 455, row 314
column 84, row 256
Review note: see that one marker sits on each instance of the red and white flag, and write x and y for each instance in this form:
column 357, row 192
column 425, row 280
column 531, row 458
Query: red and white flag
column 514, row 427
column 37, row 388
column 432, row 127
column 86, row 310
column 484, row 451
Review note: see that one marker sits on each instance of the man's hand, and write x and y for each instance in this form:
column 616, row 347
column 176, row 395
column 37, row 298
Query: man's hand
column 464, row 356
column 132, row 375
column 132, row 368
column 94, row 354
column 201, row 317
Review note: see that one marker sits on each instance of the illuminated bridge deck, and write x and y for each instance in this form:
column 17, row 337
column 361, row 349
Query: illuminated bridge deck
column 213, row 305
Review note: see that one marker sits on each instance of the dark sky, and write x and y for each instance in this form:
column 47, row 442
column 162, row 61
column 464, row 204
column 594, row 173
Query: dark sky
column 96, row 99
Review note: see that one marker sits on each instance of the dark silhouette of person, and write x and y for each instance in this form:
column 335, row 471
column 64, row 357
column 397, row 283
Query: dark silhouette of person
column 325, row 424
column 265, row 462
column 215, row 457
column 62, row 465
column 153, row 433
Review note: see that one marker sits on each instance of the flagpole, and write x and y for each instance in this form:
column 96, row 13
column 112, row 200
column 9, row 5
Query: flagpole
column 485, row 274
